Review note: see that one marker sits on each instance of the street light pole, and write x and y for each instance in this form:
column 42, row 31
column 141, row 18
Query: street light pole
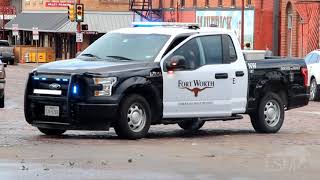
column 78, row 31
column 242, row 25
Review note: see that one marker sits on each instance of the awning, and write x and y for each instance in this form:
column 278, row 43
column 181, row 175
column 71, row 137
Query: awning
column 101, row 22
column 46, row 22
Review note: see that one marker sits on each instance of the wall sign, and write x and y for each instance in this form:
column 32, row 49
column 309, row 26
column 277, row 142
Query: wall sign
column 229, row 19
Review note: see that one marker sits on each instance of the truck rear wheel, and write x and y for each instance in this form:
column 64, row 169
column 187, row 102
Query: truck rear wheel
column 52, row 132
column 269, row 116
column 191, row 125
column 134, row 118
column 2, row 102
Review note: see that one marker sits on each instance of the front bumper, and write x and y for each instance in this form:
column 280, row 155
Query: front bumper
column 75, row 113
column 72, row 115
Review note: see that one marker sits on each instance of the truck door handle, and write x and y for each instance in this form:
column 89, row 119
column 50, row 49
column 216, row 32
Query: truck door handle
column 239, row 73
column 221, row 76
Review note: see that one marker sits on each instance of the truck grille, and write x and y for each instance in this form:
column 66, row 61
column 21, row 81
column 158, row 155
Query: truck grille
column 50, row 85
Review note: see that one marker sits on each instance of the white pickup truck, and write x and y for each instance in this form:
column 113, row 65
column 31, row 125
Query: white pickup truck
column 150, row 74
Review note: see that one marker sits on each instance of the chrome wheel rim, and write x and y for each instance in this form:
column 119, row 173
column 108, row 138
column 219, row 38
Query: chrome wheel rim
column 313, row 89
column 272, row 113
column 136, row 117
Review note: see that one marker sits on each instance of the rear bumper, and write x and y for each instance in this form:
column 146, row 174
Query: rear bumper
column 298, row 101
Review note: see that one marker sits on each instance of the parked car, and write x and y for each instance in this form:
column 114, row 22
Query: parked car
column 132, row 78
column 2, row 83
column 6, row 52
column 313, row 64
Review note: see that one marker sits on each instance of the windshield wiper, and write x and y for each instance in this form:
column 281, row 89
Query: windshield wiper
column 90, row 55
column 120, row 58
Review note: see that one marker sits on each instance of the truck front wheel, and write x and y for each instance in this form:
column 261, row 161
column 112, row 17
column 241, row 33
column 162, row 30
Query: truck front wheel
column 134, row 118
column 52, row 132
column 269, row 116
column 191, row 125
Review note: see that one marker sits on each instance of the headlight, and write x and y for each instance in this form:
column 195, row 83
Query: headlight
column 106, row 84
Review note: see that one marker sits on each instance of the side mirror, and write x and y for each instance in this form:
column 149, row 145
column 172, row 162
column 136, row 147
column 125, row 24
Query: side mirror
column 176, row 63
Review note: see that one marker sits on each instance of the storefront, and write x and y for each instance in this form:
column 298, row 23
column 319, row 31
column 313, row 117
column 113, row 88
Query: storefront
column 57, row 33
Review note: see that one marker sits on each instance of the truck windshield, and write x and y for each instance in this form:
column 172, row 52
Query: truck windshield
column 126, row 47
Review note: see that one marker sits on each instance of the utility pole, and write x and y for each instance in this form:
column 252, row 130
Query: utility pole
column 78, row 31
column 242, row 25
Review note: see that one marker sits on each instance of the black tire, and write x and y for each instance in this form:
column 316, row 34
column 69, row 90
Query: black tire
column 261, row 122
column 52, row 132
column 125, row 126
column 191, row 125
column 2, row 102
column 314, row 93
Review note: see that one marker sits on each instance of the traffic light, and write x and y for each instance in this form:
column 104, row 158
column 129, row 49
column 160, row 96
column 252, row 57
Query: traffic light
column 80, row 13
column 71, row 13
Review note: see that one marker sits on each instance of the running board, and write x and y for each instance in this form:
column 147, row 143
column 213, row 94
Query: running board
column 177, row 120
column 234, row 117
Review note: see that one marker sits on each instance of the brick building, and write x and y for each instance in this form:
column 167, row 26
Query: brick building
column 7, row 12
column 300, row 27
column 261, row 17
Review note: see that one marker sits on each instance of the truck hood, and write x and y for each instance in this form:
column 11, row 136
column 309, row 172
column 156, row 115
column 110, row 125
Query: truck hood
column 79, row 66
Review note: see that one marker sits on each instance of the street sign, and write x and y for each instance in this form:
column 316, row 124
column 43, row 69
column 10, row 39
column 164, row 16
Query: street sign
column 79, row 37
column 15, row 29
column 35, row 33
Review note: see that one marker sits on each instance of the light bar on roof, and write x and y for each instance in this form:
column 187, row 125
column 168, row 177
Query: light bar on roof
column 163, row 24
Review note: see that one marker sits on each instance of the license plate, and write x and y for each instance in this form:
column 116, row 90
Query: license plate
column 51, row 111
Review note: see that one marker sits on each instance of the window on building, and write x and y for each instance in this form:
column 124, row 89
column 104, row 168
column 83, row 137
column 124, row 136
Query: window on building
column 219, row 3
column 233, row 3
column 207, row 4
column 182, row 3
column 249, row 2
column 171, row 3
column 194, row 3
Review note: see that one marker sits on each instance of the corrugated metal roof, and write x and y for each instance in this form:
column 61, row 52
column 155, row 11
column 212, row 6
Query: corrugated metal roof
column 46, row 22
column 101, row 22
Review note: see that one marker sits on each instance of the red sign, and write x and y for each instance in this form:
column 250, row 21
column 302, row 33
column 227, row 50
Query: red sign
column 58, row 4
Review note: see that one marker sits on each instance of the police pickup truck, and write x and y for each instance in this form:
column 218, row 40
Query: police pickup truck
column 154, row 73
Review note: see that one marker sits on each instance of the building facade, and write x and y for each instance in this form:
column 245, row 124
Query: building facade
column 261, row 17
column 300, row 27
column 57, row 33
column 7, row 12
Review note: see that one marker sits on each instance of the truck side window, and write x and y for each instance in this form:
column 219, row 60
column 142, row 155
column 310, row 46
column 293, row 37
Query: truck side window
column 175, row 43
column 232, row 51
column 212, row 46
column 190, row 51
